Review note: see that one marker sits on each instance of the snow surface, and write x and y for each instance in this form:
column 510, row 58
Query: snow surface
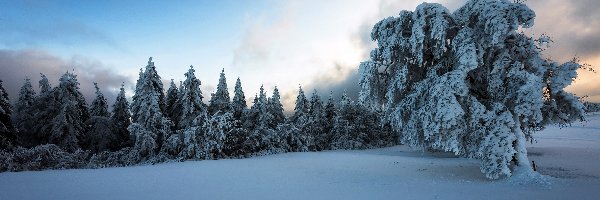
column 570, row 154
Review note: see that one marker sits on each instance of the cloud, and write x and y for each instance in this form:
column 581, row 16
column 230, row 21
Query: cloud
column 15, row 65
column 574, row 26
column 261, row 35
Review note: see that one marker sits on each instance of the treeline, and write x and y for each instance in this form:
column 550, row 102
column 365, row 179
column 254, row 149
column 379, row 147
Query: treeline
column 56, row 129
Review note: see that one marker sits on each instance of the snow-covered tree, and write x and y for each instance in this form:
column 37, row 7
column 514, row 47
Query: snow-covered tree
column 189, row 105
column 150, row 127
column 467, row 82
column 7, row 131
column 99, row 106
column 121, row 118
column 23, row 113
column 68, row 125
column 238, row 104
column 302, row 106
column 44, row 109
column 275, row 108
column 216, row 128
column 171, row 99
column 148, row 83
column 100, row 135
column 44, row 84
column 220, row 100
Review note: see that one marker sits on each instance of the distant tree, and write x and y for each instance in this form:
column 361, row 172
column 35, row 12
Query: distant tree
column 468, row 82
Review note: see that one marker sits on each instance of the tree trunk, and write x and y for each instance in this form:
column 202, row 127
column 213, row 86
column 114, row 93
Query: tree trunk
column 521, row 150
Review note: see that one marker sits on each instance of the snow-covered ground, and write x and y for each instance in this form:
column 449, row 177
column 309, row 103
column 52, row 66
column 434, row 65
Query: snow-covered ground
column 571, row 154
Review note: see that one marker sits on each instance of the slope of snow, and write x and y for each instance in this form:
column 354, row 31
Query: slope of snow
column 571, row 154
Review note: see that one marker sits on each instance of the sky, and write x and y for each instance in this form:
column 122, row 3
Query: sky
column 285, row 43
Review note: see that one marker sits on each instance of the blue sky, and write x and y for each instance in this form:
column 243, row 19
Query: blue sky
column 316, row 44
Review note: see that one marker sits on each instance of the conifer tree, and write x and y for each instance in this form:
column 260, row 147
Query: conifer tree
column 275, row 108
column 44, row 85
column 150, row 127
column 189, row 105
column 238, row 104
column 45, row 107
column 220, row 100
column 121, row 119
column 302, row 106
column 171, row 98
column 68, row 124
column 7, row 131
column 23, row 114
column 99, row 106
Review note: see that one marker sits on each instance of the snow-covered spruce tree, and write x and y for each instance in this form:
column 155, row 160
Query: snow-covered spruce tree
column 329, row 115
column 189, row 105
column 190, row 114
column 299, row 140
column 7, row 130
column 343, row 133
column 236, row 137
column 275, row 108
column 220, row 100
column 257, row 122
column 100, row 135
column 121, row 119
column 44, row 85
column 44, row 110
column 238, row 104
column 150, row 127
column 468, row 82
column 68, row 124
column 99, row 106
column 302, row 106
column 216, row 128
column 23, row 114
column 171, row 98
column 315, row 127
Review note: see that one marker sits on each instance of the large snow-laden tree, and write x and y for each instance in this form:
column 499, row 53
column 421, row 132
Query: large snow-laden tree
column 468, row 82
